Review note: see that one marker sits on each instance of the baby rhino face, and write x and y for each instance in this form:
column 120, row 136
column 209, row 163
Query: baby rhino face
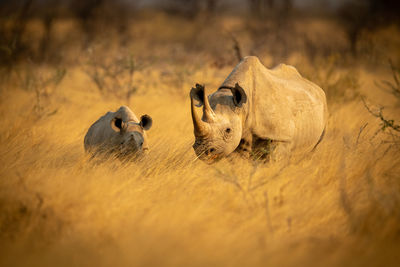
column 131, row 138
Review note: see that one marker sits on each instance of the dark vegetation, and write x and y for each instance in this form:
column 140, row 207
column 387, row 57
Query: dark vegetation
column 267, row 22
column 278, row 29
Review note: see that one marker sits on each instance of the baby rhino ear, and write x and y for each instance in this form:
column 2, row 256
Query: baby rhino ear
column 146, row 122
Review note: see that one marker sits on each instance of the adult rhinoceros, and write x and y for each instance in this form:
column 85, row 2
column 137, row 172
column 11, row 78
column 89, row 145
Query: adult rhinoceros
column 118, row 132
column 266, row 113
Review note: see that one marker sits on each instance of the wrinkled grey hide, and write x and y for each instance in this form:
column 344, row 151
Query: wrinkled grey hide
column 259, row 112
column 118, row 132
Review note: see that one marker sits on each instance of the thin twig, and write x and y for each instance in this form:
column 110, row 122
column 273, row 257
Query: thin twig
column 359, row 133
column 386, row 123
column 236, row 47
column 267, row 212
column 226, row 178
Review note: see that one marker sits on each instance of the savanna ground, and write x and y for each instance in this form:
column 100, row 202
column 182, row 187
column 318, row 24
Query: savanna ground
column 338, row 206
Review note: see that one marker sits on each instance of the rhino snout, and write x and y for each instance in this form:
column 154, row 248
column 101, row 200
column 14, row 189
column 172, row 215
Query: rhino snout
column 209, row 151
column 135, row 140
column 208, row 154
column 138, row 140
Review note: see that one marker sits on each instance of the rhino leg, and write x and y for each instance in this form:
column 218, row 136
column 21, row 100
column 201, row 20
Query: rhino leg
column 269, row 150
column 261, row 149
column 245, row 147
column 281, row 151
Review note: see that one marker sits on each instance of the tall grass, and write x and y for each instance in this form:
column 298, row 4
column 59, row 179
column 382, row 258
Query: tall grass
column 337, row 205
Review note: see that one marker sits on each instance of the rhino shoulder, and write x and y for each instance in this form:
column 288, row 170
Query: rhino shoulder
column 286, row 70
column 252, row 60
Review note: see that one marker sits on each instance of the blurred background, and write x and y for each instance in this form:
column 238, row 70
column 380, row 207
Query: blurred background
column 63, row 64
column 49, row 30
column 178, row 37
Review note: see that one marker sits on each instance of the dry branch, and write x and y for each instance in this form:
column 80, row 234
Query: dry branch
column 385, row 123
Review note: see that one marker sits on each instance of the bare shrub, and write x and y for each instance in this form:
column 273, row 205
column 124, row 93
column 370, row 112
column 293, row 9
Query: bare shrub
column 271, row 23
column 11, row 44
column 260, row 8
column 113, row 76
column 175, row 79
column 338, row 86
column 42, row 83
column 358, row 16
column 385, row 123
column 392, row 87
column 388, row 126
column 84, row 12
column 237, row 48
column 97, row 18
column 49, row 11
column 269, row 8
column 190, row 8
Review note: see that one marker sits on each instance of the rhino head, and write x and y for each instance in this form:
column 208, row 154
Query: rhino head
column 219, row 130
column 131, row 137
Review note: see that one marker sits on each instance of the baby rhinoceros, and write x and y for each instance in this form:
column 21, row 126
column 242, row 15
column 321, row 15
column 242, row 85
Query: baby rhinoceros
column 261, row 113
column 118, row 132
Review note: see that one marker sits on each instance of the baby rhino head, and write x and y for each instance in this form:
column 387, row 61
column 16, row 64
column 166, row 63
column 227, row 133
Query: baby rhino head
column 131, row 137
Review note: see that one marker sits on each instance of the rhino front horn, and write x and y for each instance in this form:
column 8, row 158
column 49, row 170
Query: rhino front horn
column 200, row 127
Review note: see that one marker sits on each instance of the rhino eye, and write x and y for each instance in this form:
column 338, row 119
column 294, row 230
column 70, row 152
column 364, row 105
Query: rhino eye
column 228, row 130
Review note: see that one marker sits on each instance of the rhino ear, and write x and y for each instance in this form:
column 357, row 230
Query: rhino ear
column 117, row 124
column 146, row 122
column 197, row 93
column 239, row 95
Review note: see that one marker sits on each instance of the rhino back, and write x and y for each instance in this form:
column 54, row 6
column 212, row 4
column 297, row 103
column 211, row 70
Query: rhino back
column 100, row 131
column 281, row 105
column 288, row 108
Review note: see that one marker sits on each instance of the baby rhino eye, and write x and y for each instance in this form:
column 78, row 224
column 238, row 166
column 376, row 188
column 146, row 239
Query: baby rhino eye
column 228, row 130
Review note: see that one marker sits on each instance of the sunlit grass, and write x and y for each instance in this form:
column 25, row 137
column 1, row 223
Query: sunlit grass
column 336, row 206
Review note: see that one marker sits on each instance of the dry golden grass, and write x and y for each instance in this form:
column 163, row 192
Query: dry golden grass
column 337, row 206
